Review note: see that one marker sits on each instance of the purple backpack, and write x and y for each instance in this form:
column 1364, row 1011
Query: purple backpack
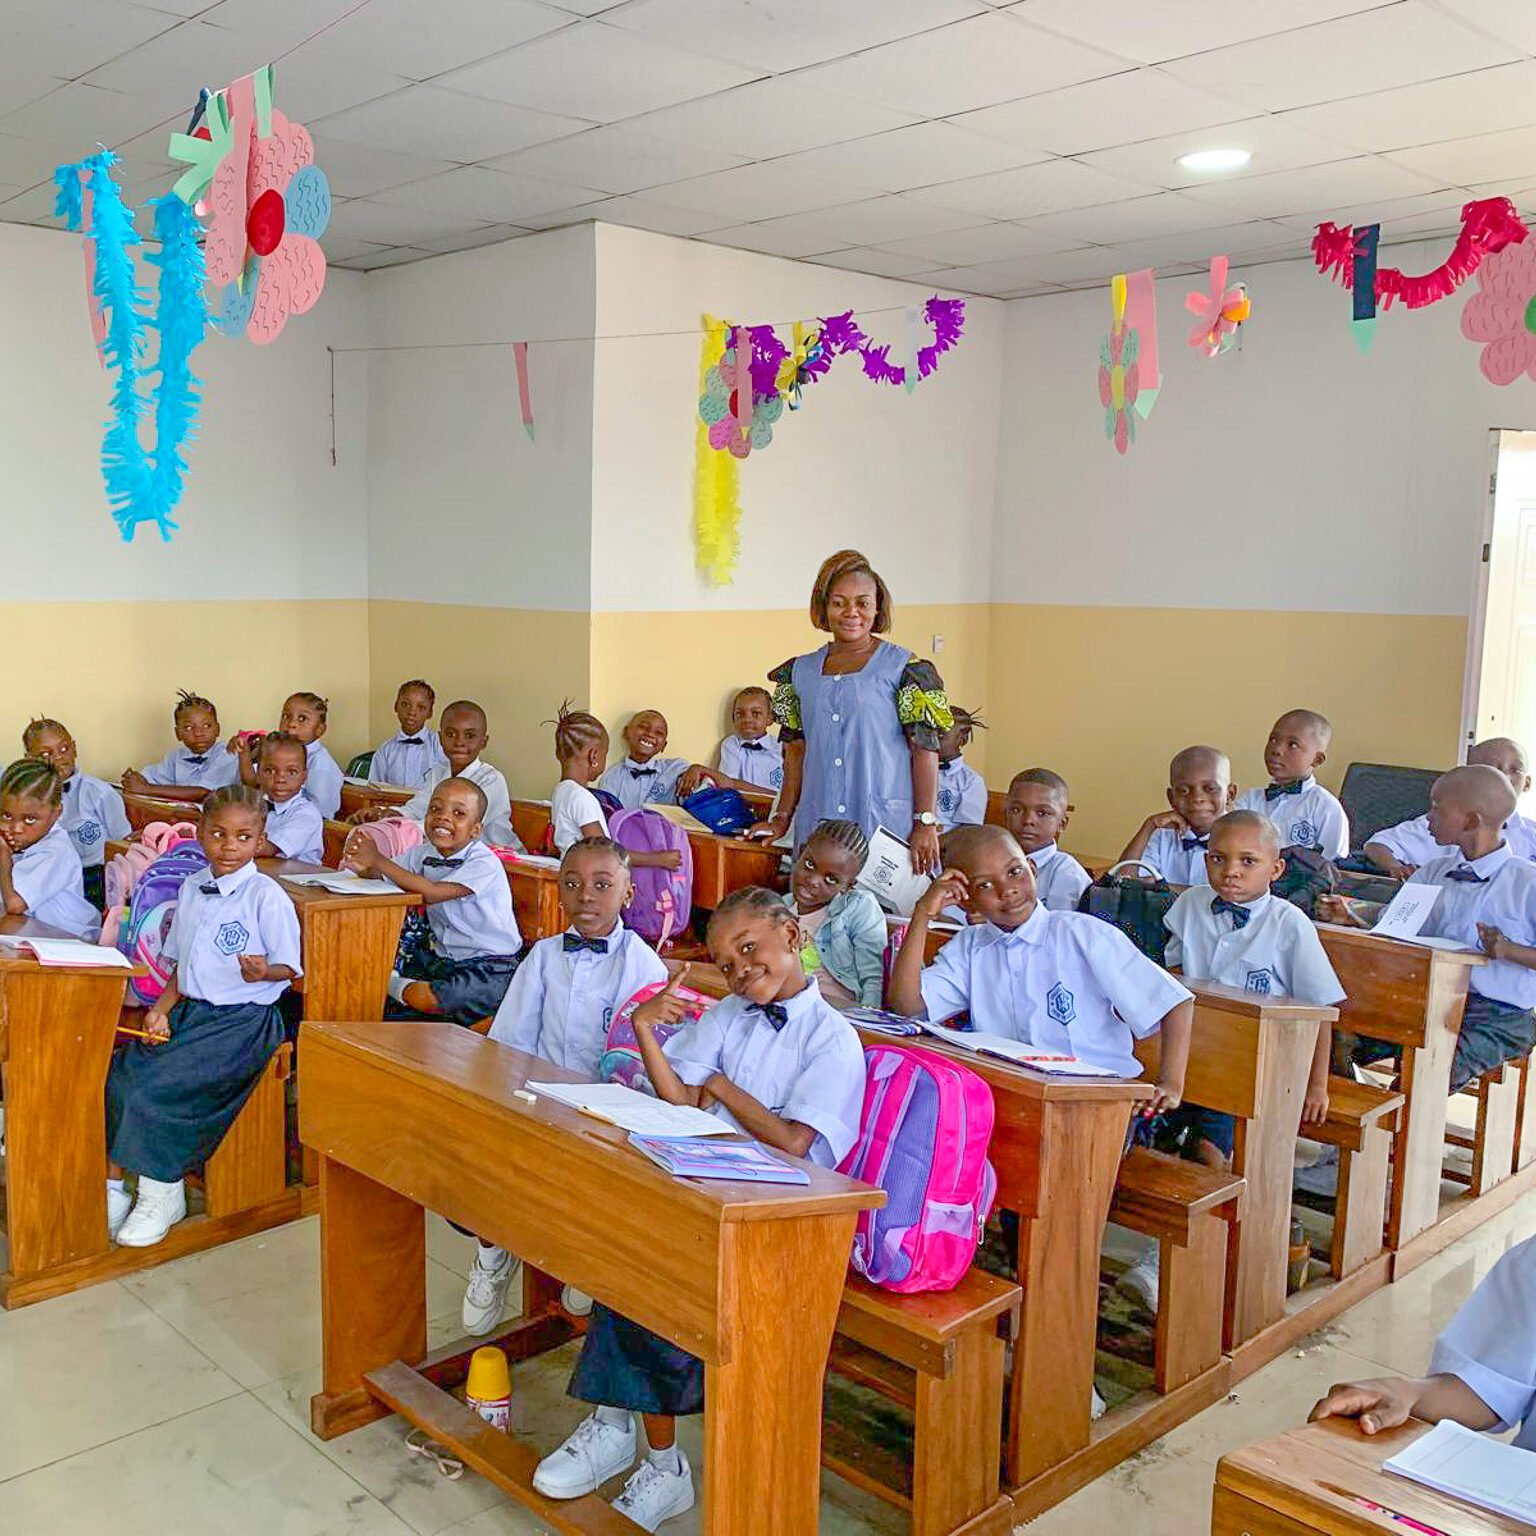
column 147, row 922
column 663, row 897
column 923, row 1138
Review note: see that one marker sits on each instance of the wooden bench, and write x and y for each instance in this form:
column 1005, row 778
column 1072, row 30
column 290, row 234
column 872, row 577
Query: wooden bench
column 939, row 1355
column 1525, row 1127
column 1189, row 1209
column 250, row 1166
column 1500, row 1096
column 1361, row 1123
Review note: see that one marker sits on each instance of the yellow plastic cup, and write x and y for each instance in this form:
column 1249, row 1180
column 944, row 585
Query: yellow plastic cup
column 490, row 1377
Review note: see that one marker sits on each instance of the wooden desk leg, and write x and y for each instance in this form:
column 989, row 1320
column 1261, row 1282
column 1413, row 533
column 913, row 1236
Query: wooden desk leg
column 1359, row 1211
column 348, row 955
column 373, row 1292
column 762, row 1407
column 1419, row 1151
column 1498, row 1110
column 958, row 1446
column 1059, row 1269
column 1525, row 1129
column 1265, row 1155
column 59, row 1032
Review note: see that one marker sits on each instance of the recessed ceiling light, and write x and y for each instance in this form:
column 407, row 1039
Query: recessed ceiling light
column 1215, row 159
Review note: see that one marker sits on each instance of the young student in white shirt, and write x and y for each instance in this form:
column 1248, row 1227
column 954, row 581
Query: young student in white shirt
column 750, row 760
column 1487, row 901
column 581, row 749
column 93, row 809
column 962, row 800
column 464, row 734
column 234, row 940
column 410, row 755
column 40, row 874
column 1036, row 812
column 1483, row 1370
column 645, row 777
column 1307, row 815
column 772, row 1060
column 295, row 828
column 559, row 1006
column 1400, row 850
column 198, row 761
column 1173, row 842
column 465, row 971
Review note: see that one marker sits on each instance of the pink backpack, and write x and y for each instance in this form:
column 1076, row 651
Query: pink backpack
column 124, row 869
column 663, row 897
column 393, row 835
column 923, row 1138
column 621, row 1061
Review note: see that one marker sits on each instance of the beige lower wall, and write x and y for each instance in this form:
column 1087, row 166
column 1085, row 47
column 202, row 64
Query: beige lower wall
column 110, row 671
column 1107, row 695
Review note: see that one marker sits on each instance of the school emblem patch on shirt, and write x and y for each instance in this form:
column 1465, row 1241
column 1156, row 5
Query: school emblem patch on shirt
column 1060, row 1004
column 88, row 832
column 231, row 938
column 949, row 801
column 1260, row 981
column 776, row 779
column 1304, row 834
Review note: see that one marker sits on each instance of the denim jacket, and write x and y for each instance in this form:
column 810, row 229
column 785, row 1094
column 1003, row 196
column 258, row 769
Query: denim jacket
column 852, row 944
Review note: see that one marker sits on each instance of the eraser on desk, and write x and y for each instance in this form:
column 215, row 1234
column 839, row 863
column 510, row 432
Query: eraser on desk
column 525, row 1096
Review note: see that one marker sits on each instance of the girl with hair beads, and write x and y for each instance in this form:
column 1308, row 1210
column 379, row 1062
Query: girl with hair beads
column 40, row 874
column 842, row 930
column 581, row 749
column 93, row 809
column 197, row 761
column 234, row 940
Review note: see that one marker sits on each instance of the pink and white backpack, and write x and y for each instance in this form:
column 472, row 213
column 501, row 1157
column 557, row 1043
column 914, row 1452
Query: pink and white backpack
column 621, row 1061
column 394, row 834
column 143, row 886
column 923, row 1138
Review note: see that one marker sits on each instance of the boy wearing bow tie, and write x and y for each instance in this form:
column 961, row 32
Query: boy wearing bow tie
column 463, row 973
column 199, row 760
column 645, row 777
column 1487, row 901
column 1173, row 842
column 465, row 734
column 410, row 755
column 1307, row 815
column 750, row 759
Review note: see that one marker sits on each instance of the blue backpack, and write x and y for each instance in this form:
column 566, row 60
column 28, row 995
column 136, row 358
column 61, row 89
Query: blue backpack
column 723, row 810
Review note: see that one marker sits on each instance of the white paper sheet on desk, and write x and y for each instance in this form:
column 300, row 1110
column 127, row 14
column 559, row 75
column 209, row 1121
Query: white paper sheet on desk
column 889, row 874
column 1408, row 911
column 67, row 952
column 1458, row 1461
column 379, row 784
column 341, row 883
column 632, row 1111
column 1017, row 1051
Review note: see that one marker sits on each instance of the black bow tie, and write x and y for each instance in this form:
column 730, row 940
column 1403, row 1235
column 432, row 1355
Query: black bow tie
column 574, row 943
column 776, row 1013
column 1240, row 915
column 411, row 741
column 441, row 863
column 197, row 761
column 1467, row 875
column 1274, row 791
column 1188, row 844
column 69, row 784
column 642, row 773
column 753, row 746
column 210, row 890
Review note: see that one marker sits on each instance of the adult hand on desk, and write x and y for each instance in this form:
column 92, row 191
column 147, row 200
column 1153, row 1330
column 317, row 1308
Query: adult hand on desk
column 769, row 831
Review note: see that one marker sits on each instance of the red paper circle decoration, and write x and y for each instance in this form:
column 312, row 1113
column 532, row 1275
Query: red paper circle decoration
column 266, row 221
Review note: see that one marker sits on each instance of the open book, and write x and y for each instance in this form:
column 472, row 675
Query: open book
column 342, row 883
column 65, row 951
column 632, row 1111
column 1019, row 1052
column 1458, row 1461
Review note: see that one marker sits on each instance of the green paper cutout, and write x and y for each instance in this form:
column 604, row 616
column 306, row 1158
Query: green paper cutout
column 262, row 80
column 1145, row 400
column 1530, row 316
column 1364, row 333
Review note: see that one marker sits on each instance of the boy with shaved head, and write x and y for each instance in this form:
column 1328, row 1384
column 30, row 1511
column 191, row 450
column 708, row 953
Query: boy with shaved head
column 1307, row 815
column 1173, row 842
column 1487, row 901
column 1401, row 849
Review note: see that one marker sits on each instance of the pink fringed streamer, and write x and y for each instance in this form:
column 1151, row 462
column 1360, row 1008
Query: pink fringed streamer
column 524, row 397
column 1487, row 227
column 741, row 394
column 842, row 333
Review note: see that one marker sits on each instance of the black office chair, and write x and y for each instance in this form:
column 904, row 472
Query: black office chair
column 1378, row 795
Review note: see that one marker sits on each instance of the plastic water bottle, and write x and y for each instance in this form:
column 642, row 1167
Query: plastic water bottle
column 488, row 1388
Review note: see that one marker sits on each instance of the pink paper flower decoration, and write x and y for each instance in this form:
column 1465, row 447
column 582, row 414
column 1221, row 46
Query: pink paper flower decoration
column 1502, row 314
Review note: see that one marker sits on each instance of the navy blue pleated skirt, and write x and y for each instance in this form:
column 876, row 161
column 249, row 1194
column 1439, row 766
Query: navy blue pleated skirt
column 623, row 1365
column 169, row 1106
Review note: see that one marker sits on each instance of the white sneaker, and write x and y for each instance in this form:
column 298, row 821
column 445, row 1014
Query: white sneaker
column 119, row 1203
column 592, row 1453
column 1096, row 1407
column 577, row 1303
column 485, row 1297
column 652, row 1495
column 1141, row 1279
column 158, row 1209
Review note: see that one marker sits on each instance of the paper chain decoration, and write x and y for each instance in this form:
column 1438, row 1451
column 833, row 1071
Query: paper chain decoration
column 89, row 200
column 1119, row 376
column 1349, row 256
column 1221, row 311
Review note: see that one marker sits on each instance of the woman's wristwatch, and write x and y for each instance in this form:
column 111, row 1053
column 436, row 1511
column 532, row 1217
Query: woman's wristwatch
column 925, row 819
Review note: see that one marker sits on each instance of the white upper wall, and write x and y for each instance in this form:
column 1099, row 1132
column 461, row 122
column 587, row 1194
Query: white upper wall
column 908, row 479
column 264, row 515
column 463, row 508
column 1295, row 474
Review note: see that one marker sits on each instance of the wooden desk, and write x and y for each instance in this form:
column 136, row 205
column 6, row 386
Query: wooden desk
column 1284, row 1487
column 144, row 810
column 531, row 821
column 725, row 864
column 1249, row 1057
column 364, row 797
column 406, row 1116
column 536, row 901
column 1414, row 998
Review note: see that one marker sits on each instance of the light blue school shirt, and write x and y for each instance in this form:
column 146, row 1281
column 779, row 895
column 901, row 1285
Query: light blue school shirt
column 49, row 878
column 1312, row 818
column 297, row 828
column 962, row 798
column 1063, row 982
column 1178, row 865
column 1504, row 896
column 406, row 760
column 210, row 770
column 811, row 1070
column 760, row 763
column 474, row 926
column 1277, row 952
column 1409, row 842
column 323, row 779
column 1059, row 879
column 93, row 814
column 635, row 784
column 218, row 920
column 492, row 784
column 560, row 1004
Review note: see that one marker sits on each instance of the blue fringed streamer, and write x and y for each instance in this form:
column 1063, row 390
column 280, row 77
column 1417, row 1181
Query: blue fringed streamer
column 68, row 195
column 180, row 317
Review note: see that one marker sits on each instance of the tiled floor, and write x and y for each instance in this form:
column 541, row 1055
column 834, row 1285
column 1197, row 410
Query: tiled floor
column 178, row 1401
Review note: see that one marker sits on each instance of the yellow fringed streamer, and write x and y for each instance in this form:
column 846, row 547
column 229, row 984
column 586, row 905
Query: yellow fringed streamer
column 716, row 504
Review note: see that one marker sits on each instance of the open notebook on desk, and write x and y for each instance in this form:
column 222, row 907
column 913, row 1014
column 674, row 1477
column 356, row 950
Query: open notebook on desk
column 64, row 951
column 1458, row 1461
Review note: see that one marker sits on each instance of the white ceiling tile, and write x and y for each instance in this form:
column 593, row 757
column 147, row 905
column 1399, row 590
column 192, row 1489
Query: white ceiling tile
column 397, row 257
column 479, row 195
column 1512, row 20
column 363, row 219
column 877, row 263
column 753, row 192
column 426, row 120
column 1274, row 145
column 560, row 218
column 341, row 248
column 978, row 243
column 596, row 71
column 1484, row 157
column 646, row 213
column 1387, row 211
column 306, row 90
column 1344, row 181
column 775, row 238
column 273, row 27
column 1169, row 29
column 174, row 64
column 975, row 63
column 788, row 34
column 1092, row 264
column 359, row 170
column 1118, row 109
column 912, row 157
column 872, row 222
column 33, row 205
column 978, row 280
column 1199, row 245
column 1033, row 291
column 20, row 84
column 586, row 7
column 469, row 239
column 1139, row 218
column 1484, row 101
column 618, row 160
column 1396, row 45
column 1030, row 190
column 69, row 38
column 85, row 116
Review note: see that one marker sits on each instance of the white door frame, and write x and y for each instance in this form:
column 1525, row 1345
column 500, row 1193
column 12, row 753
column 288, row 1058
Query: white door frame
column 1477, row 619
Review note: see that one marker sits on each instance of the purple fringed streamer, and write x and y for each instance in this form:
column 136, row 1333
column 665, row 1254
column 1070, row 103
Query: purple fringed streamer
column 768, row 354
column 842, row 333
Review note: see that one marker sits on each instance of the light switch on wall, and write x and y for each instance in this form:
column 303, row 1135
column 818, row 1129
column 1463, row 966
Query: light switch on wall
column 938, row 644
